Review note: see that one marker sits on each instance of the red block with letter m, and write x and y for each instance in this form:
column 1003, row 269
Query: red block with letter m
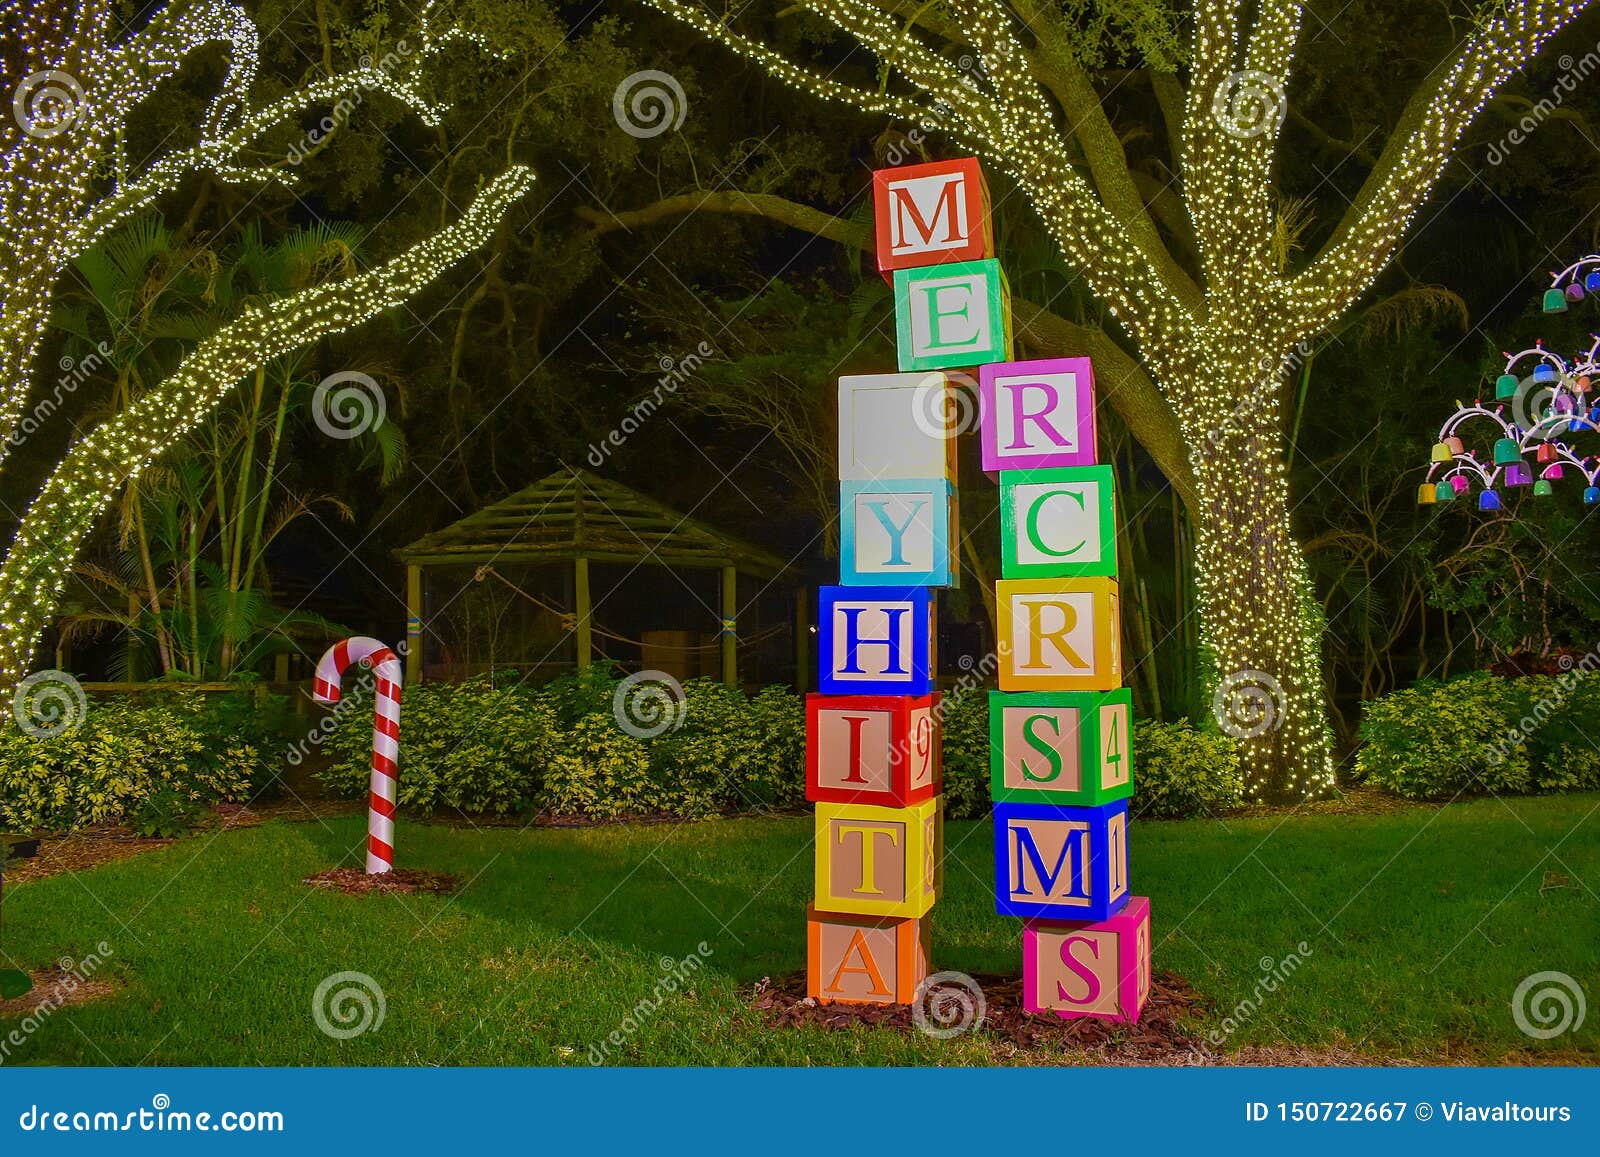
column 931, row 214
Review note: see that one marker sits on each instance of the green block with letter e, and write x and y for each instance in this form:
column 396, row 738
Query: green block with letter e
column 952, row 315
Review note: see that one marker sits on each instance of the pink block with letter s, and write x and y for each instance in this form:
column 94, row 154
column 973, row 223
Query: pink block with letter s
column 1099, row 970
column 1036, row 415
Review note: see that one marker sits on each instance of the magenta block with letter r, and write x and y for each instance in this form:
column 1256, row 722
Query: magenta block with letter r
column 1037, row 415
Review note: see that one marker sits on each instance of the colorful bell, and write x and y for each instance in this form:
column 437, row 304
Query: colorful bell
column 1427, row 494
column 1582, row 384
column 1544, row 373
column 1506, row 451
column 1543, row 489
column 1562, row 403
column 1441, row 452
column 1455, row 445
column 1591, row 495
column 1591, row 282
column 1444, row 492
column 1574, row 292
column 1518, row 474
column 1505, row 387
column 1548, row 452
column 1555, row 473
column 1554, row 302
column 1488, row 500
column 1458, row 483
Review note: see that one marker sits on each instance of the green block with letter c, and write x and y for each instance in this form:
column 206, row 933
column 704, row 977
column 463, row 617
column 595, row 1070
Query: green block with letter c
column 1058, row 523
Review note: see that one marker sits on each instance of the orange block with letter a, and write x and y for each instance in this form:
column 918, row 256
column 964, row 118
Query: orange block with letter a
column 864, row 959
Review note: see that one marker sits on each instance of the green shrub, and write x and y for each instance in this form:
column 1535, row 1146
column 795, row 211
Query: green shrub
column 1180, row 771
column 966, row 756
column 127, row 751
column 474, row 746
column 1482, row 733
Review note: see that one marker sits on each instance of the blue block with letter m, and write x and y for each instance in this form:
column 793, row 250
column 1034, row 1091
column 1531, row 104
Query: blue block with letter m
column 1061, row 863
column 876, row 640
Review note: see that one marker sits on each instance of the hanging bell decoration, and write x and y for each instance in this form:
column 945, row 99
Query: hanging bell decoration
column 1554, row 302
column 1455, row 444
column 1458, row 483
column 1518, row 474
column 1575, row 292
column 1506, row 452
column 1548, row 452
column 1427, row 494
column 1555, row 473
column 1444, row 492
column 1591, row 495
column 1543, row 489
column 1505, row 387
column 1488, row 500
column 1591, row 281
column 1544, row 373
column 1441, row 452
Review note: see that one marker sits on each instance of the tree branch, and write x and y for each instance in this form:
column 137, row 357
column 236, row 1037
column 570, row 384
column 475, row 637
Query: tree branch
column 1120, row 378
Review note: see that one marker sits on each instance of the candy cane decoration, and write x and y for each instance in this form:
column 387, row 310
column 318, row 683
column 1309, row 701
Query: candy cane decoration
column 385, row 736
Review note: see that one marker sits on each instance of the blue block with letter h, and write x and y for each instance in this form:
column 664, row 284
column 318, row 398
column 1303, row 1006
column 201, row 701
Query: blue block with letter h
column 876, row 640
column 1061, row 863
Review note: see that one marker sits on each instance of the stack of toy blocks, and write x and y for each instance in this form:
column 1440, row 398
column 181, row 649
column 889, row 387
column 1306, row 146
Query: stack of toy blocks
column 874, row 729
column 1060, row 761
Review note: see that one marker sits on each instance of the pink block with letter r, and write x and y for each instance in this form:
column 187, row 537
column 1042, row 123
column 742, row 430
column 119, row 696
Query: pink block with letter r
column 1099, row 970
column 1037, row 415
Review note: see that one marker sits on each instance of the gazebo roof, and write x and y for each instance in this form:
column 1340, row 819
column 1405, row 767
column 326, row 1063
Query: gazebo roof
column 573, row 514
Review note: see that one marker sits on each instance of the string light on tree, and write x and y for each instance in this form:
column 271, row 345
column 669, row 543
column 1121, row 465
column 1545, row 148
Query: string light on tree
column 1218, row 336
column 72, row 80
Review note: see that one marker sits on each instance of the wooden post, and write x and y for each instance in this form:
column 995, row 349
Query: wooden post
column 280, row 667
column 730, row 626
column 582, row 636
column 413, row 625
column 802, row 639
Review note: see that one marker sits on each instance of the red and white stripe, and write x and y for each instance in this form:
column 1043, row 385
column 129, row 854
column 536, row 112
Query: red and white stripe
column 385, row 736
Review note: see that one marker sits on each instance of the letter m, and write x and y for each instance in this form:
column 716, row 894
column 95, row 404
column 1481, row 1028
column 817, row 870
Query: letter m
column 928, row 213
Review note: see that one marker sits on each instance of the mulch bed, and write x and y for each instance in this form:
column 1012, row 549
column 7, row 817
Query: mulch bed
column 356, row 882
column 1157, row 1037
column 59, row 988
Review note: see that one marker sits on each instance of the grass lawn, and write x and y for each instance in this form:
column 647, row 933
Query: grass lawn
column 1420, row 924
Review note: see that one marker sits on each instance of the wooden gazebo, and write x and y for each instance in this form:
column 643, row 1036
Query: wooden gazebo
column 575, row 518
